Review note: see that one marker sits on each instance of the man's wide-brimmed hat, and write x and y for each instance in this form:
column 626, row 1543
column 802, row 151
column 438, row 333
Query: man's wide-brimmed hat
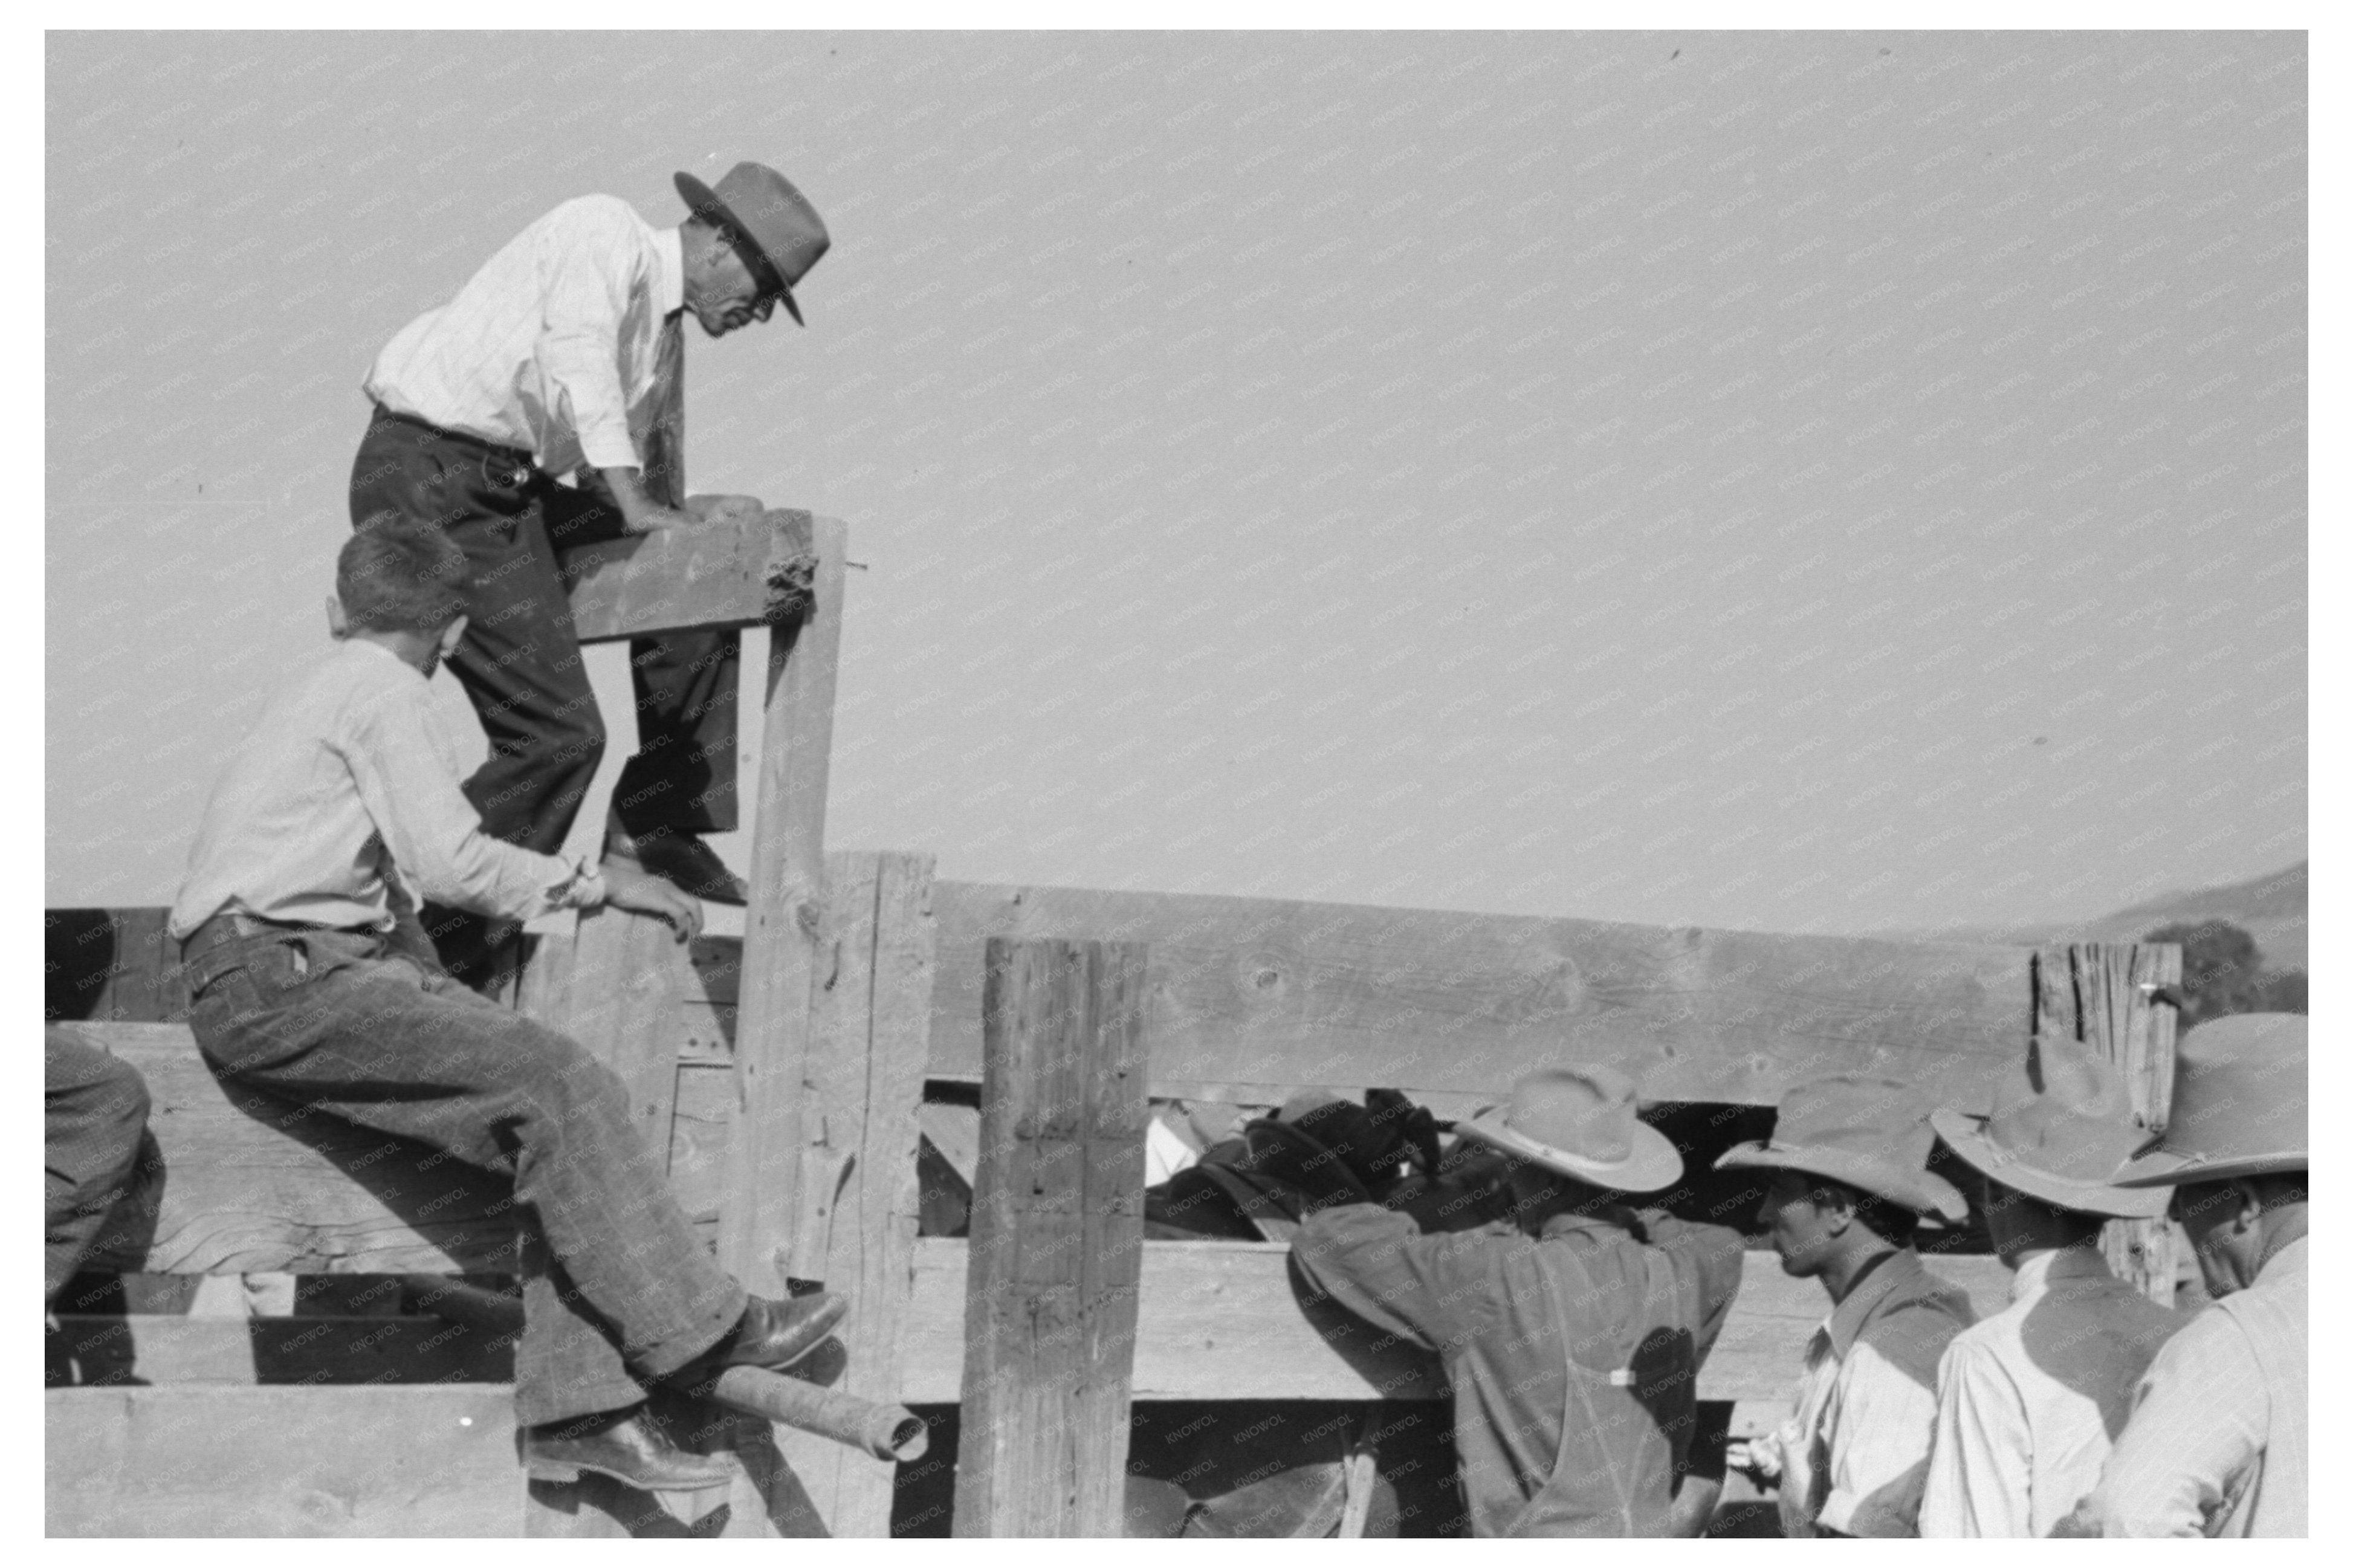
column 2240, row 1106
column 2061, row 1123
column 1579, row 1122
column 1868, row 1132
column 773, row 224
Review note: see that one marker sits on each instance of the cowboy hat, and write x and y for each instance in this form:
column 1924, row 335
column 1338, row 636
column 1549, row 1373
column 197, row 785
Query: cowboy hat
column 2061, row 1124
column 1579, row 1122
column 1868, row 1132
column 2239, row 1105
column 774, row 228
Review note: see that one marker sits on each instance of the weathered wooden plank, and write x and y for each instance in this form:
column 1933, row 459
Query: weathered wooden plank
column 618, row 995
column 873, row 1028
column 1221, row 1319
column 1260, row 996
column 2103, row 994
column 729, row 571
column 257, row 1185
column 246, row 1352
column 208, row 1461
column 764, row 1193
column 1057, row 1238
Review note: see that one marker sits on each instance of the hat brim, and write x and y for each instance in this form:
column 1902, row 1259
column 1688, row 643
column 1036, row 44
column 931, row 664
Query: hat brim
column 1923, row 1192
column 1965, row 1135
column 2164, row 1168
column 1652, row 1163
column 1313, row 1156
column 704, row 202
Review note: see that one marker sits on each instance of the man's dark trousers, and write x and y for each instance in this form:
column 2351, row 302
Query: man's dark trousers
column 618, row 1289
column 95, row 1127
column 520, row 660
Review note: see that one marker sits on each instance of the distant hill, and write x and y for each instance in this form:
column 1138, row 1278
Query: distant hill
column 2269, row 908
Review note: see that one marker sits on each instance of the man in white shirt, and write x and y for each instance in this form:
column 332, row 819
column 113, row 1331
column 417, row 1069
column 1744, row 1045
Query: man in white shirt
column 311, row 982
column 1851, row 1181
column 2029, row 1401
column 2220, row 1442
column 563, row 355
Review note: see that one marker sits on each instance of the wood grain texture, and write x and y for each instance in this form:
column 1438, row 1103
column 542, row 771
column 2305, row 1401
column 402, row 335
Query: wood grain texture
column 2103, row 994
column 764, row 1193
column 748, row 571
column 619, row 996
column 1251, row 998
column 282, row 1461
column 1056, row 1239
column 872, row 1030
column 257, row 1185
column 1220, row 1320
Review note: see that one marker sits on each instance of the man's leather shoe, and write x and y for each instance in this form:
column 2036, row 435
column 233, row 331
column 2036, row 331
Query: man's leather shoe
column 683, row 858
column 628, row 1446
column 772, row 1334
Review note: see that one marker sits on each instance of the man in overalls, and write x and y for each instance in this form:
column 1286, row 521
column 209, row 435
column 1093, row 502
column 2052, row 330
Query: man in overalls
column 1573, row 1333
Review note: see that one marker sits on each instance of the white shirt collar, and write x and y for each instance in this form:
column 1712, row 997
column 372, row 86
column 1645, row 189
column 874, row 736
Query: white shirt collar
column 670, row 248
column 2064, row 1263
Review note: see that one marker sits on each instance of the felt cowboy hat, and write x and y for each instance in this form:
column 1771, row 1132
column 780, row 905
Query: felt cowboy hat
column 2061, row 1123
column 1868, row 1132
column 2239, row 1105
column 1579, row 1122
column 1325, row 1144
column 774, row 228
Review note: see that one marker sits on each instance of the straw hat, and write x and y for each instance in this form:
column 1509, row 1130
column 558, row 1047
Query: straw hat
column 1868, row 1132
column 2240, row 1105
column 1579, row 1122
column 2061, row 1124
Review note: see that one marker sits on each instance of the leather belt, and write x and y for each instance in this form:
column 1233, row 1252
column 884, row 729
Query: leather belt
column 516, row 455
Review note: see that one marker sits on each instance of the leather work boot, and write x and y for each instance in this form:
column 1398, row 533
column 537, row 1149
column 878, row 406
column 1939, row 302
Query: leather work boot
column 628, row 1446
column 681, row 859
column 771, row 1334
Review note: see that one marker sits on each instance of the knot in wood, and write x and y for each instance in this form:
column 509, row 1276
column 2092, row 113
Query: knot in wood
column 792, row 588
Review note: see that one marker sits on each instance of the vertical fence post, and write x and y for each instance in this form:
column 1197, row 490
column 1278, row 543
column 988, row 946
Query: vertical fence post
column 2104, row 995
column 1057, row 1241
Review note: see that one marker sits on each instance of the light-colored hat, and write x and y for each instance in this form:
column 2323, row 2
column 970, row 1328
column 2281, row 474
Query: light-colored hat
column 1868, row 1132
column 2061, row 1124
column 1579, row 1122
column 2240, row 1105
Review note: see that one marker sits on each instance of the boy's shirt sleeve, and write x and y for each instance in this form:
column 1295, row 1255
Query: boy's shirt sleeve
column 406, row 768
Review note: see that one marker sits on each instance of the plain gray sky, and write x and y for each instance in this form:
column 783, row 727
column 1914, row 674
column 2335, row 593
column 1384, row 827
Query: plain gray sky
column 1801, row 481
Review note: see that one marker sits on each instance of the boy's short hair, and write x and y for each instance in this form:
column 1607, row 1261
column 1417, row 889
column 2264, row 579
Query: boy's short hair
column 401, row 576
column 1889, row 1221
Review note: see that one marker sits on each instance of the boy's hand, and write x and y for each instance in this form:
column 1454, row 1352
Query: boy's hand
column 628, row 886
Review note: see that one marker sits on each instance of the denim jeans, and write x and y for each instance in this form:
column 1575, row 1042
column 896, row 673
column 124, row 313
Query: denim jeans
column 618, row 1289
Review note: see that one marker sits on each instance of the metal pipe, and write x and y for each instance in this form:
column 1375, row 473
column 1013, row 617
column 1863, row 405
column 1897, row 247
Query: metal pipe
column 885, row 1430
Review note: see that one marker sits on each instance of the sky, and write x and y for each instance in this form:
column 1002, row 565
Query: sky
column 1799, row 482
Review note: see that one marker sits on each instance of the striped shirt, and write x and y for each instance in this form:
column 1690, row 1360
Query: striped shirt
column 552, row 346
column 2028, row 1401
column 1853, row 1456
column 2217, row 1444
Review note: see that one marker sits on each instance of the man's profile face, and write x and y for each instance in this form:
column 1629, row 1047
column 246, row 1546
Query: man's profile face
column 2209, row 1212
column 727, row 296
column 1799, row 1228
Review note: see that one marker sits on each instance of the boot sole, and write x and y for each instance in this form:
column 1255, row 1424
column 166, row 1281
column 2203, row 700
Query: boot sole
column 564, row 1472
